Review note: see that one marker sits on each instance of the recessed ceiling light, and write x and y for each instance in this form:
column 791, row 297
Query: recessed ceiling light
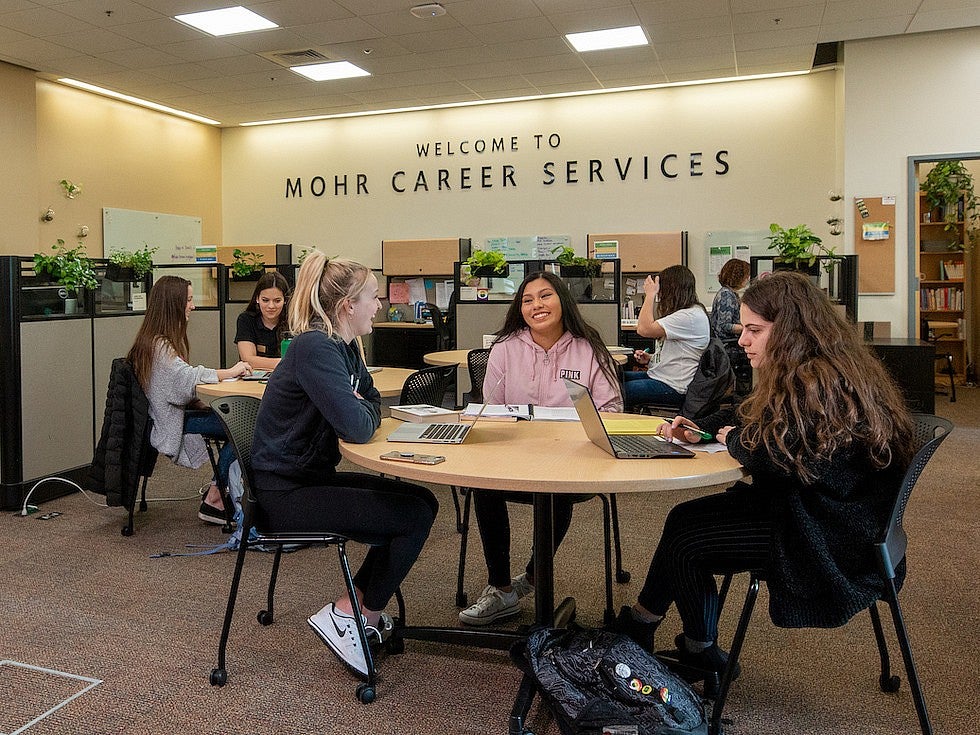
column 330, row 70
column 610, row 38
column 429, row 10
column 226, row 21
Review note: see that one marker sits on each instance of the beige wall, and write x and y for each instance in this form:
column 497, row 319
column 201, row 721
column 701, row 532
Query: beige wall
column 19, row 180
column 780, row 134
column 124, row 156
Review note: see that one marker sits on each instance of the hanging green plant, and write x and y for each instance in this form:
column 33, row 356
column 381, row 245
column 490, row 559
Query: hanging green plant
column 576, row 265
column 797, row 246
column 130, row 264
column 66, row 266
column 485, row 263
column 246, row 265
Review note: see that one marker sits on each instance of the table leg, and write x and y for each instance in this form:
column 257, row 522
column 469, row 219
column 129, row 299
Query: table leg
column 544, row 559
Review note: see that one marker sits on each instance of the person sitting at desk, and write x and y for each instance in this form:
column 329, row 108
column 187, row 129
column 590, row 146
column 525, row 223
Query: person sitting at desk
column 322, row 392
column 543, row 340
column 827, row 438
column 724, row 319
column 671, row 314
column 262, row 325
column 159, row 357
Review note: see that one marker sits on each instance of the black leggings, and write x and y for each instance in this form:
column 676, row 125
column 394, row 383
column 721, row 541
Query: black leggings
column 493, row 520
column 394, row 517
column 716, row 534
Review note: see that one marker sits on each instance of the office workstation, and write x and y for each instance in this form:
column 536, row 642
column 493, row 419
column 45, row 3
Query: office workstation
column 599, row 168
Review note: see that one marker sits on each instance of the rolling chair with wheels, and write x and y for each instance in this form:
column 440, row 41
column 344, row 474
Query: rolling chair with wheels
column 930, row 431
column 238, row 414
column 444, row 340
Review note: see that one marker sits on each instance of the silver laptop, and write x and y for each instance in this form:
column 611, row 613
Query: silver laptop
column 434, row 433
column 621, row 446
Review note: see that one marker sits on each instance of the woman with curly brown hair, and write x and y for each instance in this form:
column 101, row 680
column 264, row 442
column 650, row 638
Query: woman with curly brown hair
column 826, row 437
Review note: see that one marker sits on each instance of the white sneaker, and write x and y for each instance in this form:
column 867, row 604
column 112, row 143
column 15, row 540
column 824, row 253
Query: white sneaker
column 521, row 586
column 339, row 632
column 492, row 605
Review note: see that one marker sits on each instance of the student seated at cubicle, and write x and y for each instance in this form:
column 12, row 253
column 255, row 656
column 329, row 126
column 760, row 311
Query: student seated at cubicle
column 262, row 326
column 827, row 438
column 159, row 357
column 321, row 392
column 724, row 319
column 672, row 315
column 543, row 340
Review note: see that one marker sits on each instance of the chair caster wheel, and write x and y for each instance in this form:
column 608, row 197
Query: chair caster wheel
column 889, row 683
column 264, row 617
column 127, row 531
column 219, row 677
column 623, row 577
column 365, row 693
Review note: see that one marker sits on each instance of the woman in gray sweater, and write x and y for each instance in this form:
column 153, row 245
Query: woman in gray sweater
column 159, row 357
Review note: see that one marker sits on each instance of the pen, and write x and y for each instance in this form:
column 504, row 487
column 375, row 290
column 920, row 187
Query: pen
column 702, row 434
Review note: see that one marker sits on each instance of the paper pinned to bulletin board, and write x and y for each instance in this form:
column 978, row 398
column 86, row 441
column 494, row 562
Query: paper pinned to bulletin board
column 874, row 243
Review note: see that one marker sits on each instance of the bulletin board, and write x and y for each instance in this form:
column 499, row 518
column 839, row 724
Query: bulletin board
column 176, row 237
column 875, row 244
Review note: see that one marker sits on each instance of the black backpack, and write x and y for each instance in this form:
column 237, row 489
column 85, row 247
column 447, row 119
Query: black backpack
column 595, row 679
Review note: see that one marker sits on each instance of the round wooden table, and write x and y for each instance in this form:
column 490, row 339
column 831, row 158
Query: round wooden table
column 388, row 381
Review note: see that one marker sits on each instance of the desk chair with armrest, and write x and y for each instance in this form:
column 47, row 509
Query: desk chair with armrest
column 930, row 431
column 444, row 340
column 238, row 414
column 710, row 387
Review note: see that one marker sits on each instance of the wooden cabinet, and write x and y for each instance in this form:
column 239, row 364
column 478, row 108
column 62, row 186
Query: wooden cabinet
column 944, row 295
column 646, row 252
column 432, row 257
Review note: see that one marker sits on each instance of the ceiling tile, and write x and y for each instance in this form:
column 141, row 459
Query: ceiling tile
column 106, row 13
column 140, row 58
column 42, row 22
column 776, row 39
column 481, row 12
column 158, row 32
column 341, row 31
column 287, row 13
column 95, row 41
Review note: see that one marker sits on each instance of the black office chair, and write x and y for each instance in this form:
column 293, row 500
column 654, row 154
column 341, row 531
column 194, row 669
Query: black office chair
column 119, row 466
column 889, row 552
column 428, row 385
column 444, row 341
column 741, row 368
column 947, row 359
column 708, row 390
column 238, row 414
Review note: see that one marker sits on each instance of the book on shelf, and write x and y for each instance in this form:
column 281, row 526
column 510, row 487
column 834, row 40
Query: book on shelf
column 952, row 270
column 425, row 414
column 518, row 412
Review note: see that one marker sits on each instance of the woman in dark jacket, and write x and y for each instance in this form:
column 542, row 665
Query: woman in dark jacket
column 826, row 437
column 321, row 392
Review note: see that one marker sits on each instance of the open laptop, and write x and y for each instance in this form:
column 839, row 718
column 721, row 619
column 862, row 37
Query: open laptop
column 621, row 446
column 435, row 433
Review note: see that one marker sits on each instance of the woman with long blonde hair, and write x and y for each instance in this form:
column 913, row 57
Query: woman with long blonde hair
column 322, row 392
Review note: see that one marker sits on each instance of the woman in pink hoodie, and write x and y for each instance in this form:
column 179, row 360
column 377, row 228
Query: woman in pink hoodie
column 544, row 340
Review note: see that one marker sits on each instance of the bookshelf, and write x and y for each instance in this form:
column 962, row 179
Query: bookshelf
column 944, row 295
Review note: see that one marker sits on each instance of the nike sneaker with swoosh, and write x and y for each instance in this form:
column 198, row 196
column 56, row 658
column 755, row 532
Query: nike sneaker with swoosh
column 339, row 632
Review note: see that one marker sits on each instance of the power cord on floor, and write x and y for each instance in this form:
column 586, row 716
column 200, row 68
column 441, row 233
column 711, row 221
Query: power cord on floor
column 27, row 509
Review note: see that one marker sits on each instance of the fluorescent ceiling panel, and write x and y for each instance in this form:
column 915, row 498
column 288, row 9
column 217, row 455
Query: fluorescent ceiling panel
column 330, row 70
column 610, row 38
column 227, row 21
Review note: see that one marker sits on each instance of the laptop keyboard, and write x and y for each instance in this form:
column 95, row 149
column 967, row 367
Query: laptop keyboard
column 442, row 432
column 633, row 444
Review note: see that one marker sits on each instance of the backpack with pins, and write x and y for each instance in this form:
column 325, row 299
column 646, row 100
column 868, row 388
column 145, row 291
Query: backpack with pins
column 596, row 682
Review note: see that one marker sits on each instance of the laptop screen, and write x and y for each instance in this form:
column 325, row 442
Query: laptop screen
column 589, row 415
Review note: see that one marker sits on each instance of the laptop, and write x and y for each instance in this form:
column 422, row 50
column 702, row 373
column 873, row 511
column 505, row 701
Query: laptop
column 621, row 446
column 435, row 433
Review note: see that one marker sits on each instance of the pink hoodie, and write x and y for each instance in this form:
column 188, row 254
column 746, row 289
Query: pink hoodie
column 520, row 371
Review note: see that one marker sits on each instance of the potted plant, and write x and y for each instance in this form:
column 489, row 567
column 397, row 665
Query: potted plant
column 130, row 265
column 246, row 265
column 797, row 247
column 949, row 189
column 486, row 264
column 576, row 266
column 69, row 268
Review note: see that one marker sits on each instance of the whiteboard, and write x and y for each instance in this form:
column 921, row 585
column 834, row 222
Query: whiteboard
column 176, row 236
column 721, row 246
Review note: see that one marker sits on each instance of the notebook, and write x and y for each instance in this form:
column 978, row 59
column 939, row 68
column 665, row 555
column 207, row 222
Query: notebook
column 434, row 433
column 621, row 446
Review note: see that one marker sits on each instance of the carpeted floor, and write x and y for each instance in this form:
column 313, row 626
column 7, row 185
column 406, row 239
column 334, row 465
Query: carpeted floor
column 137, row 635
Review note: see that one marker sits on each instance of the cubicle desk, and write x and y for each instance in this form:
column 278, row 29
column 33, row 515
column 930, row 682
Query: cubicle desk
column 542, row 458
column 912, row 363
column 388, row 381
column 402, row 344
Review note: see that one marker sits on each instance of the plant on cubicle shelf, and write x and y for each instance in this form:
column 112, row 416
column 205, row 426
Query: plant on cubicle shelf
column 67, row 267
column 949, row 189
column 485, row 264
column 576, row 266
column 798, row 247
column 246, row 265
column 130, row 265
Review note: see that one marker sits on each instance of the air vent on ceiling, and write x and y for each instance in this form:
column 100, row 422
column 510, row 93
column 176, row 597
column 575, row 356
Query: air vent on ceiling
column 297, row 57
